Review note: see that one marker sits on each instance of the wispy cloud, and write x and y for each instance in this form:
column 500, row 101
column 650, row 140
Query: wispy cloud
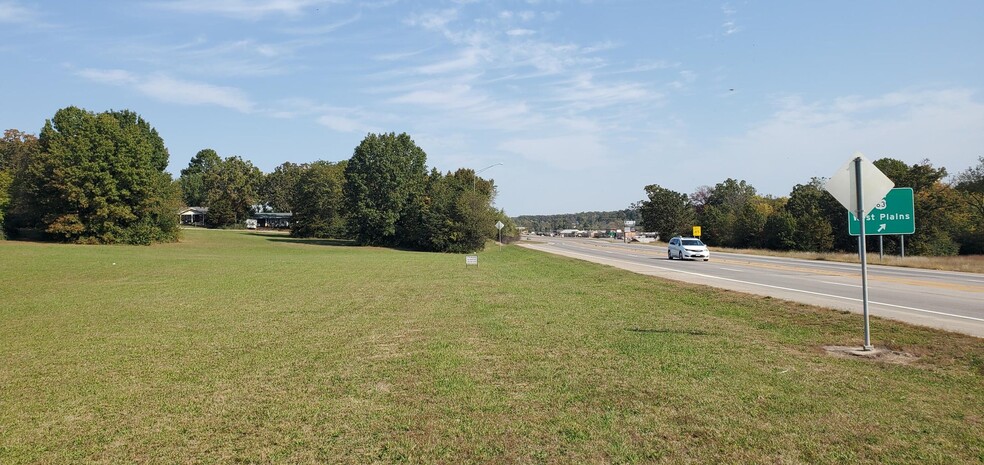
column 117, row 77
column 812, row 138
column 12, row 12
column 245, row 9
column 584, row 93
column 202, row 56
column 568, row 152
column 729, row 26
column 171, row 90
column 323, row 29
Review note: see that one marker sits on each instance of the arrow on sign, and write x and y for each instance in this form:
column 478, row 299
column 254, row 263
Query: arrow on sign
column 882, row 227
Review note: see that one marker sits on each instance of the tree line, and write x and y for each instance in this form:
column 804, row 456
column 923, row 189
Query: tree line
column 949, row 214
column 101, row 179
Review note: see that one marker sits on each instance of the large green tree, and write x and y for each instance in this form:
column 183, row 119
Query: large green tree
column 16, row 151
column 969, row 184
column 666, row 212
column 385, row 176
column 99, row 178
column 817, row 215
column 194, row 190
column 725, row 203
column 233, row 190
column 455, row 214
column 280, row 186
column 936, row 208
column 319, row 204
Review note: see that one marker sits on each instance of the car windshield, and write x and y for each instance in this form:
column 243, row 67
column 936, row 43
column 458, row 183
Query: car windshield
column 692, row 242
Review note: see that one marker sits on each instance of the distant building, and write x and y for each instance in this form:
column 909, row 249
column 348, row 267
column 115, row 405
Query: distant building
column 193, row 216
column 273, row 220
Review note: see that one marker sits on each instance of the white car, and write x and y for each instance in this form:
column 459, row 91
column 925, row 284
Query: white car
column 687, row 247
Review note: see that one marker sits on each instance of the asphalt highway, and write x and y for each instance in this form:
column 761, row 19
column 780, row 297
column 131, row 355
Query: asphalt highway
column 948, row 300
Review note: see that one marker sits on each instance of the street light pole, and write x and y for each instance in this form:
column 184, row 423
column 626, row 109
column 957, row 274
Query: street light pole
column 475, row 181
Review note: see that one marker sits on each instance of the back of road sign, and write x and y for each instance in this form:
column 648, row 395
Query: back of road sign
column 874, row 184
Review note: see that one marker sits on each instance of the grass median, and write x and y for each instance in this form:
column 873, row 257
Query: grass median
column 242, row 347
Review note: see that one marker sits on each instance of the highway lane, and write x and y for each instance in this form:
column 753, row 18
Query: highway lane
column 947, row 300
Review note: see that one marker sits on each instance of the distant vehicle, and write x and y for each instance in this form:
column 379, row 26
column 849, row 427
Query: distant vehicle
column 687, row 247
column 251, row 224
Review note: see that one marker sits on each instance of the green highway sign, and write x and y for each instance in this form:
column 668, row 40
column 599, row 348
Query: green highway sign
column 893, row 215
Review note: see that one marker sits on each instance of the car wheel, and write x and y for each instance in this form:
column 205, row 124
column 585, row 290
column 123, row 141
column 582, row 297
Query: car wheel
column 706, row 259
column 680, row 255
column 669, row 255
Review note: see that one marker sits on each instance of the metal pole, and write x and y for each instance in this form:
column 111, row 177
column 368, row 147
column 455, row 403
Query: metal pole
column 881, row 248
column 862, row 245
column 902, row 237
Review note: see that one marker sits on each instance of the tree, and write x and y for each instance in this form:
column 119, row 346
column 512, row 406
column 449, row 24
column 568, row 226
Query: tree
column 5, row 181
column 280, row 186
column 666, row 212
column 320, row 209
column 17, row 149
column 780, row 231
column 385, row 175
column 455, row 214
column 815, row 212
column 233, row 188
column 750, row 224
column 99, row 178
column 936, row 209
column 970, row 185
column 724, row 205
column 194, row 191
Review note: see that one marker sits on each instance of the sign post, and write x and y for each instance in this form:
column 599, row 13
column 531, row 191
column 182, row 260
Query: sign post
column 859, row 186
column 499, row 225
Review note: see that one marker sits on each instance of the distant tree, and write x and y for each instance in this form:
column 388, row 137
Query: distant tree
column 383, row 178
column 17, row 149
column 319, row 204
column 918, row 176
column 194, row 190
column 666, row 212
column 455, row 214
column 724, row 205
column 936, row 208
column 99, row 178
column 750, row 224
column 969, row 184
column 700, row 198
column 233, row 189
column 280, row 186
column 780, row 231
column 815, row 212
column 5, row 181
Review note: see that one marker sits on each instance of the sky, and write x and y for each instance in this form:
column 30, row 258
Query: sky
column 569, row 106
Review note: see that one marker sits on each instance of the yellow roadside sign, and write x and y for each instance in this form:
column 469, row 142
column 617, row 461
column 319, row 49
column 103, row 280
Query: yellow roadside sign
column 696, row 231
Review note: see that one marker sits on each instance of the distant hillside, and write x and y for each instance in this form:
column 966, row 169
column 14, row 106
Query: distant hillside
column 584, row 220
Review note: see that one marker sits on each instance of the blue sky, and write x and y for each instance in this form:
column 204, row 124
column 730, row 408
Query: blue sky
column 582, row 102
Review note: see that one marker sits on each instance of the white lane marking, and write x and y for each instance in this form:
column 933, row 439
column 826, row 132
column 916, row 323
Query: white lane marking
column 840, row 284
column 731, row 269
column 852, row 299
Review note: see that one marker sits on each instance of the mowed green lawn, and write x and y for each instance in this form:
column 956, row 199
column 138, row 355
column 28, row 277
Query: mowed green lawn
column 238, row 347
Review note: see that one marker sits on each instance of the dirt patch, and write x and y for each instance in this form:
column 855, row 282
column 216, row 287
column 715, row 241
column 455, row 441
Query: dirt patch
column 877, row 354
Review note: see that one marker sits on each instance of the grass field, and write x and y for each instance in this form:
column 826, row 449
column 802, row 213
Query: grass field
column 239, row 347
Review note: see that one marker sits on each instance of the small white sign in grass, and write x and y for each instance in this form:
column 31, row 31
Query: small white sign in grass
column 471, row 260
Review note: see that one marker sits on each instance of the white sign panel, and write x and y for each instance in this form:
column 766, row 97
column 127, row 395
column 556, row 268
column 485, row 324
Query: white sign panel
column 874, row 184
column 471, row 260
column 498, row 225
